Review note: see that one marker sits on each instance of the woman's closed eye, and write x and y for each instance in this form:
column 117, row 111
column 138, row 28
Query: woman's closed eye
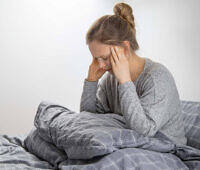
column 103, row 58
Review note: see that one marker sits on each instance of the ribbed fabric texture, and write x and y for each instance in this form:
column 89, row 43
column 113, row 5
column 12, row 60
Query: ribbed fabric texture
column 149, row 104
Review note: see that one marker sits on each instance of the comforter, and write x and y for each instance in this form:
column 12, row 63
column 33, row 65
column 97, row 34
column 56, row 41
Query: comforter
column 64, row 139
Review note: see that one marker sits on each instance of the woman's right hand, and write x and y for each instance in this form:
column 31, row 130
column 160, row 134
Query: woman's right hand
column 95, row 72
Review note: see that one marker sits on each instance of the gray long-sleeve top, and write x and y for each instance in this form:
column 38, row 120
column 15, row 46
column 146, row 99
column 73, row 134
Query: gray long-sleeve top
column 149, row 104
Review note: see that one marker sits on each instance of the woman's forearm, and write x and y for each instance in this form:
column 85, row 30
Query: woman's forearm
column 88, row 97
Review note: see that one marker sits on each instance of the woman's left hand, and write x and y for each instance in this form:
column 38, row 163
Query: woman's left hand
column 120, row 64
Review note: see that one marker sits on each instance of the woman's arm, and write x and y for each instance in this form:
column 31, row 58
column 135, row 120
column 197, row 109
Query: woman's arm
column 148, row 113
column 93, row 98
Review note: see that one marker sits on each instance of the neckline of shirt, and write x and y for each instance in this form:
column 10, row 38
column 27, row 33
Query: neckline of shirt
column 147, row 62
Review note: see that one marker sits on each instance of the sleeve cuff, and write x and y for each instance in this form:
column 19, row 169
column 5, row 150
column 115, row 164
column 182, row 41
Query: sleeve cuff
column 90, row 83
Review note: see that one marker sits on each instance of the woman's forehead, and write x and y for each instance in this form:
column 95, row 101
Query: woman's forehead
column 100, row 50
column 104, row 56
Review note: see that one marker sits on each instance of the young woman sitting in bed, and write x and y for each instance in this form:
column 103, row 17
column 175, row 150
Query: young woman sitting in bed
column 140, row 89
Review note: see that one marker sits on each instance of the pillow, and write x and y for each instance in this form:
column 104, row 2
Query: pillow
column 44, row 150
column 191, row 113
column 85, row 135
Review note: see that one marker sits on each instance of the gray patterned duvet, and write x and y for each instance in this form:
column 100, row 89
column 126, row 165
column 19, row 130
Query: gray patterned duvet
column 63, row 139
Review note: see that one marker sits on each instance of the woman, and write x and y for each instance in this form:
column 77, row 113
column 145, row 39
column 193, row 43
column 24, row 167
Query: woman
column 141, row 90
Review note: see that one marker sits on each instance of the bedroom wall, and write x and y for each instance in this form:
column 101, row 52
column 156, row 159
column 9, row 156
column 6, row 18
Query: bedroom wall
column 43, row 55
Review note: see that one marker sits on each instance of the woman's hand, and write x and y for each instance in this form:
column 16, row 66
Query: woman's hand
column 95, row 72
column 120, row 64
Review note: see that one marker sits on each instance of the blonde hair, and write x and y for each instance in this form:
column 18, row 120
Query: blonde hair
column 114, row 29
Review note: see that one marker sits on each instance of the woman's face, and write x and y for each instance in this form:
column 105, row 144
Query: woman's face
column 102, row 53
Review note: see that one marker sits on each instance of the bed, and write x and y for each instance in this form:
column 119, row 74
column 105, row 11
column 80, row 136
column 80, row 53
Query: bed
column 46, row 147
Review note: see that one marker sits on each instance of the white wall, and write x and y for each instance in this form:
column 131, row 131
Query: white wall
column 169, row 32
column 43, row 55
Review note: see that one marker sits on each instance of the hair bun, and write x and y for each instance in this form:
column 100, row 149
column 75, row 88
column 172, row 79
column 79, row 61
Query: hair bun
column 125, row 11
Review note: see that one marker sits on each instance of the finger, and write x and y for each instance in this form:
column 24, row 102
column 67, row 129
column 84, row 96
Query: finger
column 95, row 63
column 115, row 58
column 117, row 52
column 94, row 60
column 120, row 53
column 101, row 70
column 112, row 60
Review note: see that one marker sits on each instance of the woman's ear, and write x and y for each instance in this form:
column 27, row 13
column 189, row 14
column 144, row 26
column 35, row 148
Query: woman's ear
column 127, row 44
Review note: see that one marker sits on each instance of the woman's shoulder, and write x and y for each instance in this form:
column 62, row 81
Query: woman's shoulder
column 159, row 77
column 158, row 72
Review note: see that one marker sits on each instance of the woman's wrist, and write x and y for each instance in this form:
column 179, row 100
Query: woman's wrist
column 92, row 80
